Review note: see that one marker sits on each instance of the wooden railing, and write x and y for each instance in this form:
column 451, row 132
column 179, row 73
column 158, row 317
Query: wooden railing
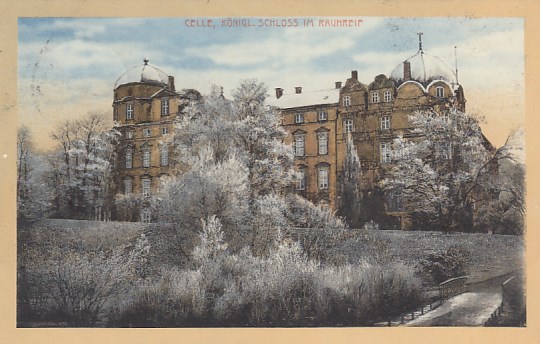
column 452, row 287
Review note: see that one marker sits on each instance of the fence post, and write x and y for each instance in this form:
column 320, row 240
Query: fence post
column 422, row 310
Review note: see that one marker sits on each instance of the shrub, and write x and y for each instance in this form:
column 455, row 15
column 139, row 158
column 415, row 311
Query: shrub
column 442, row 266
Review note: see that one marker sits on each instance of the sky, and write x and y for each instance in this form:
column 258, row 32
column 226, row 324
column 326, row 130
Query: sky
column 68, row 67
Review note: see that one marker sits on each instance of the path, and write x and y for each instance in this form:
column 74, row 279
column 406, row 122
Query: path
column 472, row 308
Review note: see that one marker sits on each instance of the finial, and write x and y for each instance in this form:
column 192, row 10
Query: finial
column 146, row 60
column 420, row 40
column 221, row 90
column 455, row 56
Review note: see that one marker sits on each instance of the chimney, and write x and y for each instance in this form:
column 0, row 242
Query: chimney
column 406, row 70
column 338, row 84
column 279, row 92
column 171, row 82
column 298, row 89
column 354, row 75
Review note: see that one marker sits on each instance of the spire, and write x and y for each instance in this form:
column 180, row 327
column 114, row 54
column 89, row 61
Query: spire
column 420, row 41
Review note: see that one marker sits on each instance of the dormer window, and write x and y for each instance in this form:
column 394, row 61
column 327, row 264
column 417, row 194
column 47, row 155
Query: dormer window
column 387, row 96
column 346, row 100
column 129, row 111
column 299, row 118
column 164, row 106
column 375, row 97
column 439, row 91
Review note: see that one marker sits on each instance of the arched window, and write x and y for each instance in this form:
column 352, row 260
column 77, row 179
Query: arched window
column 146, row 155
column 439, row 91
column 299, row 145
column 322, row 139
column 165, row 155
column 129, row 158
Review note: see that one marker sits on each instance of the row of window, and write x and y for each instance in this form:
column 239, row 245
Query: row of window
column 387, row 96
column 146, row 132
column 146, row 156
column 322, row 117
column 299, row 145
column 444, row 152
column 146, row 184
column 130, row 109
column 322, row 178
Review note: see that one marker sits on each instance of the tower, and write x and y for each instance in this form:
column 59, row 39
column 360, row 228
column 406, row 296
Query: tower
column 145, row 106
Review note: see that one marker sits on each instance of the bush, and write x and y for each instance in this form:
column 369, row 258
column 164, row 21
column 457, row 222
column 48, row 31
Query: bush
column 440, row 267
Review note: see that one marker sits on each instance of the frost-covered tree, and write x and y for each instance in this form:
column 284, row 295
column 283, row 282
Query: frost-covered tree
column 82, row 168
column 351, row 197
column 505, row 213
column 33, row 193
column 437, row 169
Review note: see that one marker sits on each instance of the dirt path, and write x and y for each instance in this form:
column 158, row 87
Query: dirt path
column 472, row 308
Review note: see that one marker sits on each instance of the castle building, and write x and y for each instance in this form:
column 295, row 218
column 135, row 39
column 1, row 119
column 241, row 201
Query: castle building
column 374, row 114
column 319, row 124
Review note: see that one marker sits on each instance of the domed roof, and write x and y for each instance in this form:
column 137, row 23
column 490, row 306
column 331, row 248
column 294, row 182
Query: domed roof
column 145, row 73
column 425, row 68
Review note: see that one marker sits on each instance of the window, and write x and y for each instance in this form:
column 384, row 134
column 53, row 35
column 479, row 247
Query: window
column 299, row 145
column 165, row 156
column 322, row 139
column 147, row 132
column 146, row 156
column 404, row 152
column 394, row 201
column 164, row 130
column 375, row 96
column 323, row 203
column 146, row 215
column 129, row 158
column 145, row 186
column 439, row 91
column 300, row 180
column 387, row 96
column 385, row 122
column 323, row 116
column 323, row 178
column 346, row 100
column 385, row 153
column 349, row 125
column 445, row 151
column 299, row 118
column 164, row 106
column 129, row 111
column 129, row 134
column 128, row 186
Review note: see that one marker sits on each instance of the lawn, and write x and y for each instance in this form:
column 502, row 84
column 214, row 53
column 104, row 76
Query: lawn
column 491, row 254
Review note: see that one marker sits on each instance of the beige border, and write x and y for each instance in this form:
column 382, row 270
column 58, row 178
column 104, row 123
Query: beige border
column 10, row 10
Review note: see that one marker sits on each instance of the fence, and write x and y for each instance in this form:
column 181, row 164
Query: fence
column 447, row 289
column 511, row 311
column 452, row 287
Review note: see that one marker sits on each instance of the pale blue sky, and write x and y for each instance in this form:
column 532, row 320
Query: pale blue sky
column 68, row 66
